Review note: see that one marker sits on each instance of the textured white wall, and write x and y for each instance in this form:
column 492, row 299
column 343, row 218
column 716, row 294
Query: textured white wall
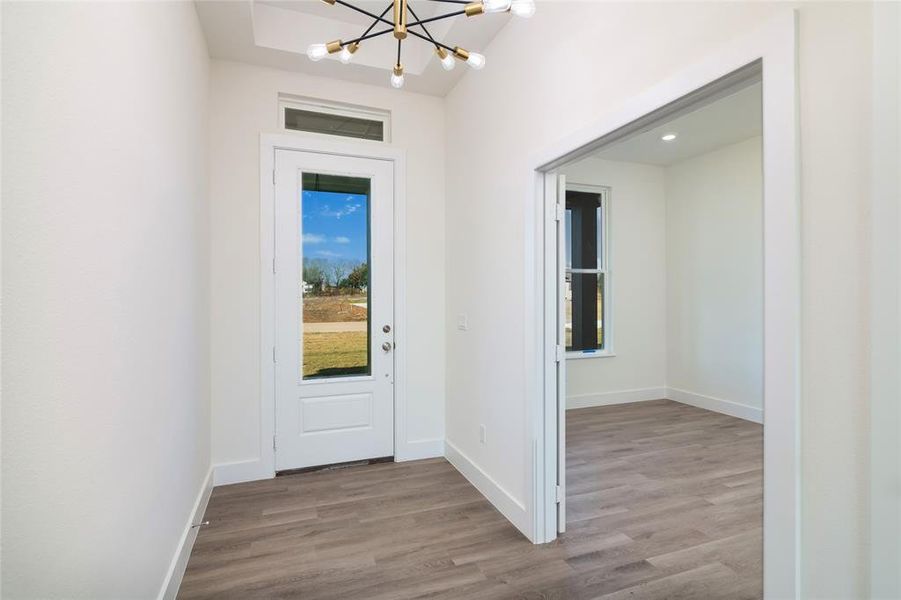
column 637, row 228
column 244, row 103
column 105, row 294
column 714, row 274
column 550, row 89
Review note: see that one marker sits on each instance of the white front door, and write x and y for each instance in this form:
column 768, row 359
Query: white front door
column 334, row 280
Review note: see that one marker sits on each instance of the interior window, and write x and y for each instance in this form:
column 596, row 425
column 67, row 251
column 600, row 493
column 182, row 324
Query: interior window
column 587, row 271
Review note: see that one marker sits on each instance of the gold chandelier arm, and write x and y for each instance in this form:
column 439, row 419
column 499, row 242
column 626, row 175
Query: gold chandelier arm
column 400, row 19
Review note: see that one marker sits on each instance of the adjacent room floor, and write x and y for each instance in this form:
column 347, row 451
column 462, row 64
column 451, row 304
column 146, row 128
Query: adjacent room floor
column 664, row 502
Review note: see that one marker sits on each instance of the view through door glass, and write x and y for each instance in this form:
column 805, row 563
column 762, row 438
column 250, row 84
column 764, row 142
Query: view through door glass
column 335, row 291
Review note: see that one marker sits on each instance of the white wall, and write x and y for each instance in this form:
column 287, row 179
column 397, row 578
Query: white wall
column 714, row 260
column 105, row 294
column 637, row 308
column 885, row 307
column 550, row 90
column 836, row 102
column 243, row 104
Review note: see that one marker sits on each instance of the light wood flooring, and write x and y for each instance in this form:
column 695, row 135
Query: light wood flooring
column 664, row 502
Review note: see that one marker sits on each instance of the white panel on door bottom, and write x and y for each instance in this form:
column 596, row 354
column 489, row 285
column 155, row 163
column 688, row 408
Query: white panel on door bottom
column 336, row 413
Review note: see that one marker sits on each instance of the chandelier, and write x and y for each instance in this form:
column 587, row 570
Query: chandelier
column 401, row 26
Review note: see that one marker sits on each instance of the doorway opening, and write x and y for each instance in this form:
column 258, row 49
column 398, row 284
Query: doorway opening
column 610, row 324
column 662, row 242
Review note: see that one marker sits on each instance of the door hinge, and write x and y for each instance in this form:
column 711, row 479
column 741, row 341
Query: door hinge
column 560, row 353
column 273, row 177
column 559, row 494
column 559, row 212
column 273, row 266
column 273, row 354
column 274, row 445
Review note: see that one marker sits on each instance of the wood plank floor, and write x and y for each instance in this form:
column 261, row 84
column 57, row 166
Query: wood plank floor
column 664, row 502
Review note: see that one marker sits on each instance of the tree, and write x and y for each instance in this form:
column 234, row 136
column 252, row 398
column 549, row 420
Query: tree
column 359, row 277
column 314, row 274
column 339, row 271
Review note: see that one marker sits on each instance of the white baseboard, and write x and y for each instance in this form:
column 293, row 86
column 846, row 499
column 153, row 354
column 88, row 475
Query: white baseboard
column 618, row 397
column 179, row 562
column 514, row 510
column 239, row 472
column 419, row 450
column 726, row 407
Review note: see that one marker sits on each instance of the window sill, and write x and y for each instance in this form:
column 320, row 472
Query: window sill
column 589, row 354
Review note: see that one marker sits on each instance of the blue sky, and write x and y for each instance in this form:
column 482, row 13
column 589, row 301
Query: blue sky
column 334, row 226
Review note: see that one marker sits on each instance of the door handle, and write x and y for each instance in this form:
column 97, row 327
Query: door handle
column 386, row 346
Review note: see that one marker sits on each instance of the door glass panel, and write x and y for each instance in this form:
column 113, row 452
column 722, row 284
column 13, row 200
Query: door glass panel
column 334, row 283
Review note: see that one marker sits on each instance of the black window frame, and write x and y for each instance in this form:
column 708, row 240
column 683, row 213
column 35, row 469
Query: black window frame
column 587, row 269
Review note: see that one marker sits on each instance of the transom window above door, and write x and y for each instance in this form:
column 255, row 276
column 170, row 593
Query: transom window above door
column 587, row 327
column 324, row 118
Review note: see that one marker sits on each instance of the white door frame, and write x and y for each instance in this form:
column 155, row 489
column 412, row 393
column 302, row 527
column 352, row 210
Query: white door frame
column 269, row 143
column 774, row 46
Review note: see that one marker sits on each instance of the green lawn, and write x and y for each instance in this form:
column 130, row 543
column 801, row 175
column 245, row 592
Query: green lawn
column 331, row 354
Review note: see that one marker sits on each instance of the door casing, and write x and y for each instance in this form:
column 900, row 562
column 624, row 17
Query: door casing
column 264, row 468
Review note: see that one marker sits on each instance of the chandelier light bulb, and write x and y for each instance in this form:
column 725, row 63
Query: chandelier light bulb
column 447, row 61
column 317, row 52
column 496, row 6
column 523, row 8
column 347, row 52
column 475, row 60
column 397, row 77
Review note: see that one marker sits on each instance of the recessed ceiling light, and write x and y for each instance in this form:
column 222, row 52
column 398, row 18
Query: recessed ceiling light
column 668, row 137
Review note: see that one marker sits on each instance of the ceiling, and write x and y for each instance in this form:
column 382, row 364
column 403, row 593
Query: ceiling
column 728, row 120
column 276, row 33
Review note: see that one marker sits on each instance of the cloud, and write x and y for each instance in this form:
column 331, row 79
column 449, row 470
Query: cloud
column 313, row 238
column 341, row 240
column 341, row 212
column 328, row 253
